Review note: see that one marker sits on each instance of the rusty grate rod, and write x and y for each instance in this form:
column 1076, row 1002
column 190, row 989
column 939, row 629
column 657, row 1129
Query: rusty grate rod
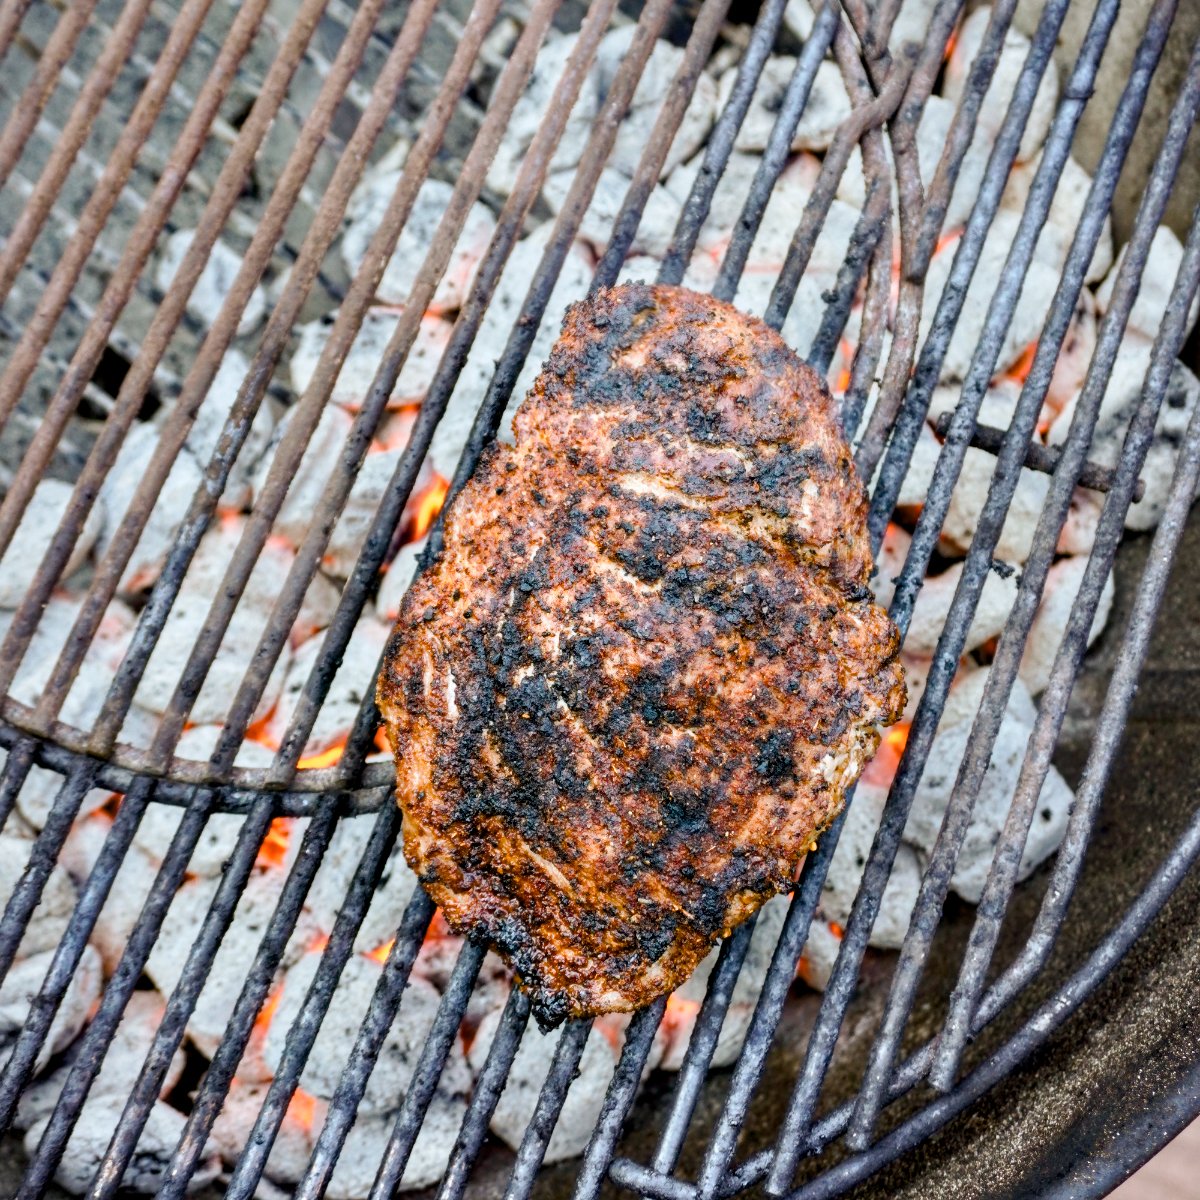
column 936, row 882
column 54, row 56
column 1038, row 457
column 235, row 171
column 798, row 1119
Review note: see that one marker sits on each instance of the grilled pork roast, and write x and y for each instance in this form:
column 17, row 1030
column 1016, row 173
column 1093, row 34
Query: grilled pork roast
column 646, row 666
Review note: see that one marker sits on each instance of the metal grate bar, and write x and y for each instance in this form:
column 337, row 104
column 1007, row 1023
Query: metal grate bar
column 516, row 349
column 649, row 168
column 487, row 1091
column 206, row 1105
column 104, row 197
column 378, row 1021
column 703, row 1045
column 563, row 1068
column 424, row 1082
column 720, row 143
column 965, row 998
column 11, row 16
column 911, row 414
column 57, row 51
column 232, row 179
column 1109, row 729
column 388, row 514
column 291, row 447
column 108, row 571
column 639, row 1038
column 944, row 856
column 798, row 1119
column 779, row 147
column 303, row 1032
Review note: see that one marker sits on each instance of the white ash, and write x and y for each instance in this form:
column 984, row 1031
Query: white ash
column 529, row 1069
column 19, row 991
column 967, row 501
column 688, row 998
column 911, row 23
column 966, row 694
column 1066, row 211
column 1058, row 600
column 395, row 583
column 351, row 999
column 363, row 1152
column 1078, row 533
column 820, row 953
column 933, row 605
column 201, row 586
column 849, row 860
column 217, row 842
column 320, row 604
column 214, row 284
column 147, row 1168
column 371, row 484
column 158, row 534
column 29, row 543
column 992, row 802
column 217, row 998
column 308, row 479
column 529, row 110
column 1158, row 278
column 654, row 86
column 915, row 487
column 357, row 372
column 89, row 689
column 828, row 105
column 1000, row 91
column 134, row 878
column 366, row 211
column 1117, row 411
column 345, row 695
column 501, row 316
column 48, row 921
column 331, row 885
column 658, row 217
column 1071, row 366
column 1028, row 317
column 293, row 1143
column 799, row 19
column 205, row 434
column 786, row 204
column 916, row 675
column 119, row 1071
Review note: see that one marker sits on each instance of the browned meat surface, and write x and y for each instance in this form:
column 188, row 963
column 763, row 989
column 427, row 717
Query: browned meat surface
column 646, row 666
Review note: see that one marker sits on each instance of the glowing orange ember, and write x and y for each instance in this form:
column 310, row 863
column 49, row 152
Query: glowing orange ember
column 274, row 846
column 1019, row 371
column 326, row 758
column 381, row 740
column 380, row 953
column 302, row 1108
column 428, row 505
column 263, row 1020
column 319, row 943
column 881, row 770
column 680, row 1013
column 837, row 931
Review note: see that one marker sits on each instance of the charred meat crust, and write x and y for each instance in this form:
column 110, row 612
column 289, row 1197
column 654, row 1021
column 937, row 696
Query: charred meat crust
column 646, row 666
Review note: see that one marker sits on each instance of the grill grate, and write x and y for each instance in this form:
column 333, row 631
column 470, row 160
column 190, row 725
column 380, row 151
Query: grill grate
column 379, row 83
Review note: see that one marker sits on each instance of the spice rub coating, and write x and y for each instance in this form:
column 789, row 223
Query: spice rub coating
column 646, row 666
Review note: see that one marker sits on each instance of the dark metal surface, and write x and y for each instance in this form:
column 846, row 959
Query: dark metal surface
column 888, row 94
